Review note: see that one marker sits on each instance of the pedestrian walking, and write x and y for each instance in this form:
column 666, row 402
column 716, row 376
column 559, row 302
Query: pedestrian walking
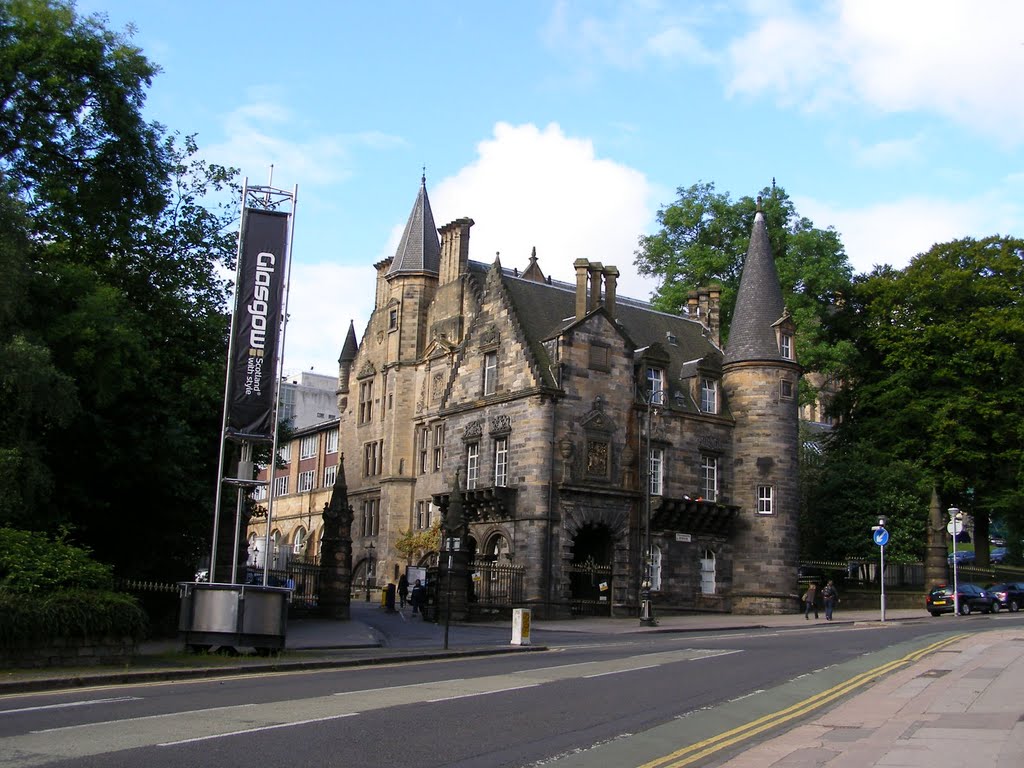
column 831, row 597
column 810, row 599
column 403, row 589
column 418, row 598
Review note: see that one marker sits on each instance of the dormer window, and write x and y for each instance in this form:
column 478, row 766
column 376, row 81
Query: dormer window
column 655, row 386
column 708, row 395
column 786, row 345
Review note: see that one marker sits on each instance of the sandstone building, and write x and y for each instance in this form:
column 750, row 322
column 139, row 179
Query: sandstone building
column 578, row 423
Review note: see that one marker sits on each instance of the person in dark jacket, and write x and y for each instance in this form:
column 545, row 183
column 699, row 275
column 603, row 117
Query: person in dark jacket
column 831, row 597
column 403, row 589
column 418, row 598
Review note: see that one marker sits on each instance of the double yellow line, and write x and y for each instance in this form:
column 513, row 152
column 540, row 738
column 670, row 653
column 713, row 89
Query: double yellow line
column 694, row 752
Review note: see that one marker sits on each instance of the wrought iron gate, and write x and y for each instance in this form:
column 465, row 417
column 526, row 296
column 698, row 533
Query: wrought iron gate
column 590, row 588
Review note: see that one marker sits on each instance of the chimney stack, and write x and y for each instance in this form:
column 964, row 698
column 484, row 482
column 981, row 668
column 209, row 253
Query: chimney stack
column 596, row 271
column 582, row 268
column 611, row 278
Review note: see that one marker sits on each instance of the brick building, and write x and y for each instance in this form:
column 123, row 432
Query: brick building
column 574, row 419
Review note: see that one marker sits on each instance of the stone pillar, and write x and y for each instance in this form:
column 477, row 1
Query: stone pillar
column 335, row 592
column 453, row 565
column 936, row 566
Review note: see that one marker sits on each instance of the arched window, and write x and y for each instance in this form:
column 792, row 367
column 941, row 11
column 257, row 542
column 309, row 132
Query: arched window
column 498, row 548
column 298, row 540
column 707, row 572
column 275, row 549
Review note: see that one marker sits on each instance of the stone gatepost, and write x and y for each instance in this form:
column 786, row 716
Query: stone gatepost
column 453, row 565
column 335, row 592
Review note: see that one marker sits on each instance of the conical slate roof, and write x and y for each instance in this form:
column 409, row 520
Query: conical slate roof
column 348, row 351
column 419, row 249
column 759, row 303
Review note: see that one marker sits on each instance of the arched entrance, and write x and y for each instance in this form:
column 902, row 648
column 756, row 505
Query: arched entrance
column 590, row 573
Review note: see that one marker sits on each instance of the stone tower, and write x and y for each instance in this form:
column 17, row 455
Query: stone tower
column 760, row 376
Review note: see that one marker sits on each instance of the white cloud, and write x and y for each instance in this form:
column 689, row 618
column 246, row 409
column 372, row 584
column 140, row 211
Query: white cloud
column 886, row 154
column 538, row 187
column 895, row 232
column 961, row 60
column 632, row 34
column 264, row 132
column 322, row 299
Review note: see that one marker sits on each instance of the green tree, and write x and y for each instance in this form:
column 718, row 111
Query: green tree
column 939, row 376
column 703, row 240
column 115, row 347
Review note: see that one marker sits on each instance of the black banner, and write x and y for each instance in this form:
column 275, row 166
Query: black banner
column 256, row 325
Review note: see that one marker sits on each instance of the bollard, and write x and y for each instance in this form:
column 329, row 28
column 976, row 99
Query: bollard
column 520, row 626
column 389, row 598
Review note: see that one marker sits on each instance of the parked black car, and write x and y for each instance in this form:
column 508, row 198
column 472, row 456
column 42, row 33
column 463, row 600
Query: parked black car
column 1010, row 595
column 970, row 597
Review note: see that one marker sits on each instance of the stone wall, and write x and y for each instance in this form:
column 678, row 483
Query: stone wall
column 70, row 652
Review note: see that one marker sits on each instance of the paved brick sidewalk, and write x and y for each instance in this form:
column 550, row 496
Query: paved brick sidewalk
column 961, row 706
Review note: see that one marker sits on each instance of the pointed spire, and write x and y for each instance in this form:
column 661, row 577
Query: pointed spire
column 348, row 351
column 454, row 518
column 533, row 271
column 419, row 249
column 759, row 303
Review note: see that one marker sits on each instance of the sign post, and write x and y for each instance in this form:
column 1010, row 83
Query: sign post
column 955, row 526
column 881, row 537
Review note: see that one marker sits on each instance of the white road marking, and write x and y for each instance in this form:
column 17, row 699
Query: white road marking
column 257, row 730
column 66, row 704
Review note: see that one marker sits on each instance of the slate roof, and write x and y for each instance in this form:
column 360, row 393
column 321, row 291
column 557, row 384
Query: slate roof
column 419, row 249
column 759, row 303
column 351, row 346
column 545, row 310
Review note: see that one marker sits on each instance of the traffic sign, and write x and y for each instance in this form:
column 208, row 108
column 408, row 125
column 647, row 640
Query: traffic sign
column 880, row 536
column 955, row 527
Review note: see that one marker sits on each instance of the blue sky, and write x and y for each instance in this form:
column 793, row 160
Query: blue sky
column 565, row 126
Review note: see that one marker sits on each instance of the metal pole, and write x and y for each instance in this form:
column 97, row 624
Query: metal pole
column 646, row 610
column 227, row 394
column 280, row 366
column 448, row 599
column 954, row 513
column 881, row 564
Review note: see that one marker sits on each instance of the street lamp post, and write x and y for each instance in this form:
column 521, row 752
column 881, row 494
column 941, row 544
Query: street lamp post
column 370, row 568
column 954, row 527
column 646, row 609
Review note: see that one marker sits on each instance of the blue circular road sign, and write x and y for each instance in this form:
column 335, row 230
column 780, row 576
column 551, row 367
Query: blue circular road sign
column 881, row 537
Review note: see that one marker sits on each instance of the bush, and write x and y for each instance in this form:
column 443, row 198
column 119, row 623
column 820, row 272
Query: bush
column 68, row 613
column 52, row 589
column 31, row 563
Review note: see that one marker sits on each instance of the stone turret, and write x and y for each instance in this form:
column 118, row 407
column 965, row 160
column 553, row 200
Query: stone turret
column 348, row 354
column 760, row 378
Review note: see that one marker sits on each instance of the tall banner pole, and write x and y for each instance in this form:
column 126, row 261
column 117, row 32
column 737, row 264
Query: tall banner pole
column 277, row 384
column 227, row 395
column 255, row 346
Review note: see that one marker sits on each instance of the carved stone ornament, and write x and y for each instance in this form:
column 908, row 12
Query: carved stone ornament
column 473, row 430
column 438, row 387
column 501, row 425
column 490, row 336
column 380, row 337
column 708, row 442
column 597, row 458
column 366, row 370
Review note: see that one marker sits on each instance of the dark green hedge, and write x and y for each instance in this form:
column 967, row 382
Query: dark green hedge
column 39, row 618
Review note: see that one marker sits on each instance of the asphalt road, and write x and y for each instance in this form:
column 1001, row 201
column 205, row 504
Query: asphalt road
column 651, row 693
